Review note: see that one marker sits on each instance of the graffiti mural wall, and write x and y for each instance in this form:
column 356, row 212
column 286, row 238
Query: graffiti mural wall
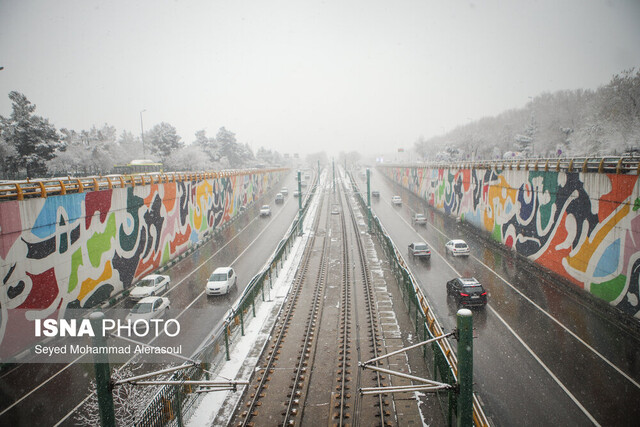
column 78, row 250
column 582, row 226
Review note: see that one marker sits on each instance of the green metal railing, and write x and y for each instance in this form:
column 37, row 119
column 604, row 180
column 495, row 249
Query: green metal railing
column 439, row 355
column 173, row 404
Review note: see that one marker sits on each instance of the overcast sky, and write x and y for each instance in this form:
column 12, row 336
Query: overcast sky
column 305, row 76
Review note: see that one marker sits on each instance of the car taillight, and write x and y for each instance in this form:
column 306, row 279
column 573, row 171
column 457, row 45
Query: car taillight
column 463, row 295
column 484, row 293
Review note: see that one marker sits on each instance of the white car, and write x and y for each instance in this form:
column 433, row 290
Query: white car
column 419, row 219
column 221, row 281
column 396, row 200
column 265, row 210
column 457, row 247
column 149, row 308
column 284, row 191
column 151, row 285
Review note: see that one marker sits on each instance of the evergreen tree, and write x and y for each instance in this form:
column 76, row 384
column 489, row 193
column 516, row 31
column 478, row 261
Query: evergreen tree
column 163, row 140
column 230, row 150
column 33, row 137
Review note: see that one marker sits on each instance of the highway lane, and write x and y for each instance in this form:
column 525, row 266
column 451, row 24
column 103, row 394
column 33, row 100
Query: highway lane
column 31, row 393
column 542, row 355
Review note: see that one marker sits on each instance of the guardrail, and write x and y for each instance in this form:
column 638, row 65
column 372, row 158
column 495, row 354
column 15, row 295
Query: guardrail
column 174, row 403
column 440, row 354
column 19, row 190
column 613, row 164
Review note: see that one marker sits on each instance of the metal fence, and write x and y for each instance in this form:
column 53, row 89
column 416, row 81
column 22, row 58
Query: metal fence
column 173, row 404
column 612, row 164
column 440, row 355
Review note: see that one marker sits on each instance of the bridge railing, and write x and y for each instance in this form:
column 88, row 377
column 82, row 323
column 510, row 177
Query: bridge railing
column 609, row 164
column 440, row 354
column 19, row 190
column 173, row 404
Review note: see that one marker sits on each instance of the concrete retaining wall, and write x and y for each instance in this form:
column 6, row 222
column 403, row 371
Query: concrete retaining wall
column 78, row 250
column 582, row 226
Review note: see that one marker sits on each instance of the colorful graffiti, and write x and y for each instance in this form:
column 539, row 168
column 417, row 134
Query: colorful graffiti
column 78, row 250
column 582, row 226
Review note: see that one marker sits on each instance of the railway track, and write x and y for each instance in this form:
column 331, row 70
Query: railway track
column 308, row 374
column 269, row 379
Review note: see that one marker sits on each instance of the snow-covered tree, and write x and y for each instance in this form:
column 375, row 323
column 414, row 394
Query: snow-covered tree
column 33, row 137
column 570, row 122
column 89, row 152
column 268, row 157
column 191, row 158
column 208, row 145
column 131, row 145
column 163, row 139
column 72, row 158
column 9, row 154
column 232, row 154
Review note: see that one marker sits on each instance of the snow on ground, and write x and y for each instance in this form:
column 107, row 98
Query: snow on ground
column 244, row 354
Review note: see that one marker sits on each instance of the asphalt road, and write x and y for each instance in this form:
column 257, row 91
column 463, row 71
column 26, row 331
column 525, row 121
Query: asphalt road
column 48, row 394
column 542, row 356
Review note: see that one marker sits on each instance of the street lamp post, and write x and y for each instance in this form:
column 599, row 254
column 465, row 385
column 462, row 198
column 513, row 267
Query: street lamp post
column 142, row 133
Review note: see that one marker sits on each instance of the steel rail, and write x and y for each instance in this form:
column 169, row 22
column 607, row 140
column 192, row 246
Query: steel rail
column 345, row 313
column 309, row 333
column 291, row 306
column 371, row 314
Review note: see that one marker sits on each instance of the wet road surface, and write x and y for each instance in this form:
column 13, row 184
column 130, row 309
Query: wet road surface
column 542, row 356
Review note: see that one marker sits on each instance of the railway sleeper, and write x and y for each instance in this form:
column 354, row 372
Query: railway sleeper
column 336, row 415
column 338, row 395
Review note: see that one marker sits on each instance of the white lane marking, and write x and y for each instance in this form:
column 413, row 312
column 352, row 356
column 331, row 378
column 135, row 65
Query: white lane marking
column 74, row 409
column 273, row 218
column 596, row 352
column 546, row 368
column 40, row 385
column 178, row 316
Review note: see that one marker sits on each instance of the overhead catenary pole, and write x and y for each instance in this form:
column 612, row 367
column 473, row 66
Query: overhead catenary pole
column 299, row 203
column 465, row 367
column 369, row 197
column 334, row 175
column 142, row 134
column 103, row 373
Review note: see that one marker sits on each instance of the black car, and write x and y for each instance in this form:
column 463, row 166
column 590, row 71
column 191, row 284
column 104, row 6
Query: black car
column 467, row 291
column 375, row 193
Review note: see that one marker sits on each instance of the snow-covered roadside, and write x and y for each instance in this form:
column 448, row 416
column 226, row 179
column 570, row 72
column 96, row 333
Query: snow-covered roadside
column 218, row 407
